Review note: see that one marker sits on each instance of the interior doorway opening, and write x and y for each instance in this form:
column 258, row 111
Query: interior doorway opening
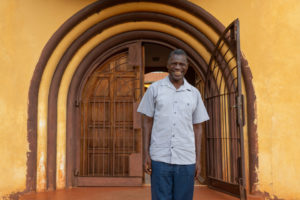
column 156, row 58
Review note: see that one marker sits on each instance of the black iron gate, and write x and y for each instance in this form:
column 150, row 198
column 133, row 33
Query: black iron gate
column 224, row 101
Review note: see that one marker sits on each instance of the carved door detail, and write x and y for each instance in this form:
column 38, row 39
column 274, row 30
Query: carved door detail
column 110, row 139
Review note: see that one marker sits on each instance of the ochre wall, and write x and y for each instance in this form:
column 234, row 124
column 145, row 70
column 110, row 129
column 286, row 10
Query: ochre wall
column 25, row 27
column 270, row 41
column 269, row 31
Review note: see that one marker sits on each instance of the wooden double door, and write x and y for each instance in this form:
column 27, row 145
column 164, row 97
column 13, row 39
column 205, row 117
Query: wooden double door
column 110, row 135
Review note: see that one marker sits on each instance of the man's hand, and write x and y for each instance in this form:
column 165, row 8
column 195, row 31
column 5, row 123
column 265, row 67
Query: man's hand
column 147, row 164
column 197, row 170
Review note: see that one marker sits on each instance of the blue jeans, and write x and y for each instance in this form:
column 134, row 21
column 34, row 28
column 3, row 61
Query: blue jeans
column 172, row 182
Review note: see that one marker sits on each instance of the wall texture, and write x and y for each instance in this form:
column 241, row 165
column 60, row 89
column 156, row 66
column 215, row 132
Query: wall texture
column 25, row 27
column 270, row 41
column 269, row 31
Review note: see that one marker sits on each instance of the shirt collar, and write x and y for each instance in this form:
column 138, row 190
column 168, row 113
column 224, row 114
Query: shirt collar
column 186, row 86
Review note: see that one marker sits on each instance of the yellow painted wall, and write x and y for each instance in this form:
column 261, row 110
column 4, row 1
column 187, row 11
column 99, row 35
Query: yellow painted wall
column 25, row 27
column 270, row 40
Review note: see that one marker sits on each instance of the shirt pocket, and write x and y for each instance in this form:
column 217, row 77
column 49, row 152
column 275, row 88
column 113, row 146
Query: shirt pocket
column 186, row 108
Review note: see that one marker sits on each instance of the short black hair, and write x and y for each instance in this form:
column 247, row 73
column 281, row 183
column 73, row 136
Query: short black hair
column 177, row 52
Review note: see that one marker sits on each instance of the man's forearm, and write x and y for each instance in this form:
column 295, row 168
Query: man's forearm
column 147, row 126
column 198, row 137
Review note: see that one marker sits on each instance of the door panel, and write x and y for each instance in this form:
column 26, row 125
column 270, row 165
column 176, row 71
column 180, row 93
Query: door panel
column 110, row 142
column 224, row 130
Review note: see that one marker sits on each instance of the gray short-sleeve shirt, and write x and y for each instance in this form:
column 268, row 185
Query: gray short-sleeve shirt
column 174, row 112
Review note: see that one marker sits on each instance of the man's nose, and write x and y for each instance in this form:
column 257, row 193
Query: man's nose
column 177, row 66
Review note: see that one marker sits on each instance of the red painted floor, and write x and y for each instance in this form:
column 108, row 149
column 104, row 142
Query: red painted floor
column 118, row 193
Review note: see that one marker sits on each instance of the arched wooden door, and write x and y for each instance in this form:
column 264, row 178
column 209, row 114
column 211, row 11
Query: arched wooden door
column 224, row 101
column 110, row 139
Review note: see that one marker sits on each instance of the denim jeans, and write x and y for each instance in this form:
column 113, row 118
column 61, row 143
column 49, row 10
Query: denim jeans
column 172, row 182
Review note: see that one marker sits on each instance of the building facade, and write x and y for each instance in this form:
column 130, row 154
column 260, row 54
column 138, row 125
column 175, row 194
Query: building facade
column 72, row 73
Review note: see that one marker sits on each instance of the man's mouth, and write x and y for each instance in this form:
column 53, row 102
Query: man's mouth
column 177, row 73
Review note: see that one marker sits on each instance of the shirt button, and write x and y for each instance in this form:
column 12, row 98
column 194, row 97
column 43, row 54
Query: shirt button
column 174, row 112
column 173, row 135
column 172, row 147
column 175, row 101
column 174, row 124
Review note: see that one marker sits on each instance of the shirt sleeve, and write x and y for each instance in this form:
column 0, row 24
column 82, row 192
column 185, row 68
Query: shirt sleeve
column 146, row 105
column 200, row 114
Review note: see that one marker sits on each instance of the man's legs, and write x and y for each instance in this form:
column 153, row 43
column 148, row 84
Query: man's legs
column 184, row 182
column 161, row 181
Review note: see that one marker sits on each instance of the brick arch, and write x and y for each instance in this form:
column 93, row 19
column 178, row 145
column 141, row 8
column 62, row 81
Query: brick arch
column 82, row 15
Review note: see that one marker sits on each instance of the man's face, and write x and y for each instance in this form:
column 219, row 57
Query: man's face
column 177, row 67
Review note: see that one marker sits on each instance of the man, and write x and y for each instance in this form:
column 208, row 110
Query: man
column 173, row 110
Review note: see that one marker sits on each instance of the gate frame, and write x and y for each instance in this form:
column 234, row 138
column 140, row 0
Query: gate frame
column 230, row 39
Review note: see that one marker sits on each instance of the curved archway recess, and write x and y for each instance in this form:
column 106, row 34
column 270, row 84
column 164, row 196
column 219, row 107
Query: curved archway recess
column 83, row 14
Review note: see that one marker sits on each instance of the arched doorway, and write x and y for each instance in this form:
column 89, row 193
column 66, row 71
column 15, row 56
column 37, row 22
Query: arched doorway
column 187, row 36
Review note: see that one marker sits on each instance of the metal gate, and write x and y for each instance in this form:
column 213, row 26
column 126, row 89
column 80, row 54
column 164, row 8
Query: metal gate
column 224, row 101
column 110, row 141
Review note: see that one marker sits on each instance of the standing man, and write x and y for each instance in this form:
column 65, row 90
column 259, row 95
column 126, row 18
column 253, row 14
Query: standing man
column 173, row 112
